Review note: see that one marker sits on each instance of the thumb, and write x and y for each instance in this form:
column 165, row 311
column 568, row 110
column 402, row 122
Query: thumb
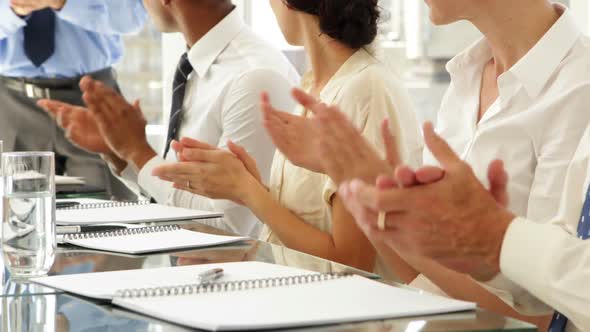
column 498, row 179
column 391, row 147
column 246, row 159
column 439, row 147
column 137, row 105
column 305, row 99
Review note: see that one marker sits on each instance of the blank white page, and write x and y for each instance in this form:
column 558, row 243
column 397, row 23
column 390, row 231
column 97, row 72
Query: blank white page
column 155, row 241
column 351, row 299
column 130, row 214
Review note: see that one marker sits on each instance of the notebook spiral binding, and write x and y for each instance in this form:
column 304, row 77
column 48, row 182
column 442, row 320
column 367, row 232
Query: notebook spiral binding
column 105, row 205
column 229, row 286
column 122, row 232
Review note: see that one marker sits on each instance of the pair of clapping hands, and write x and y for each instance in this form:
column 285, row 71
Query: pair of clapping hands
column 443, row 213
column 115, row 129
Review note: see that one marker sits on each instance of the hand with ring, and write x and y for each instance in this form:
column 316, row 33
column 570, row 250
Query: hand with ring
column 211, row 172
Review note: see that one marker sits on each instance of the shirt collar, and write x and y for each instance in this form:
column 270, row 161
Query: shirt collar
column 543, row 60
column 360, row 60
column 206, row 50
column 532, row 72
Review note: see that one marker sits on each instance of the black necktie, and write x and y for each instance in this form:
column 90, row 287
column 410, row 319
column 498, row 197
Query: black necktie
column 178, row 89
column 40, row 36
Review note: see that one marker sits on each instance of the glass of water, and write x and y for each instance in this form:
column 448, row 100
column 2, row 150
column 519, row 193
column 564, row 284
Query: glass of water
column 28, row 219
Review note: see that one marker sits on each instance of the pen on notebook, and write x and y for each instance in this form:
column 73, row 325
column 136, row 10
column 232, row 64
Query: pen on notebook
column 63, row 230
column 60, row 230
column 101, row 228
column 66, row 204
column 210, row 275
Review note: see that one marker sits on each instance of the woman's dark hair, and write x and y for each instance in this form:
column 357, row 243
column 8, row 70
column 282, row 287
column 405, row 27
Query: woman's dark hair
column 351, row 22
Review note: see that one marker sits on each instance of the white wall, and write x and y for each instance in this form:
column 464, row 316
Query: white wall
column 581, row 10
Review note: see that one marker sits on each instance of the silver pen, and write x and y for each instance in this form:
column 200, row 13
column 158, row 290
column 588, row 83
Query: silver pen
column 61, row 230
column 208, row 276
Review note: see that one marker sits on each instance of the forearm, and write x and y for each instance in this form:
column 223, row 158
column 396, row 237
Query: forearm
column 117, row 164
column 463, row 287
column 105, row 16
column 296, row 234
column 395, row 262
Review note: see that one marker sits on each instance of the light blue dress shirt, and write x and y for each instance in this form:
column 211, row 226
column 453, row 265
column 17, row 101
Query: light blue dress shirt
column 88, row 38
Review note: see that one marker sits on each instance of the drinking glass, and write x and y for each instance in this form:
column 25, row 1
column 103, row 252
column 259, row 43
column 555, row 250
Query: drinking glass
column 28, row 219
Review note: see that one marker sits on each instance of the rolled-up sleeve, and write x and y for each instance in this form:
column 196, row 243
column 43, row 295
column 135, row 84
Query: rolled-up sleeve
column 552, row 265
column 105, row 16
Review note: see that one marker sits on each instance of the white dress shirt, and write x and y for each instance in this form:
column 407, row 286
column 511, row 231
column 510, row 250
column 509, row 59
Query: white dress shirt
column 232, row 66
column 548, row 261
column 534, row 126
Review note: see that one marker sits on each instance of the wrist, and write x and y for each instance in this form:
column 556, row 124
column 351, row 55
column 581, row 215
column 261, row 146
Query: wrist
column 500, row 221
column 140, row 156
column 117, row 164
column 251, row 192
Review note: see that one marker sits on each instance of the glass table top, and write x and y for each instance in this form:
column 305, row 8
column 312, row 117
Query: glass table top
column 30, row 307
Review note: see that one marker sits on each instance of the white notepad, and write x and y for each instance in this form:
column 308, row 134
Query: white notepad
column 143, row 240
column 283, row 297
column 91, row 212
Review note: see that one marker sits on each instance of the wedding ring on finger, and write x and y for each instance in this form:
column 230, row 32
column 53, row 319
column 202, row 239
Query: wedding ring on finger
column 381, row 221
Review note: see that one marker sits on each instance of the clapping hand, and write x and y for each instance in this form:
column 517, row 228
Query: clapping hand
column 445, row 214
column 79, row 125
column 210, row 171
column 294, row 135
column 121, row 124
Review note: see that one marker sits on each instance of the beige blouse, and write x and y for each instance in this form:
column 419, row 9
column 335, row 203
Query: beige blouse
column 367, row 92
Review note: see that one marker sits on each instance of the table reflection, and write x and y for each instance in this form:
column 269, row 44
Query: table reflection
column 29, row 313
column 30, row 307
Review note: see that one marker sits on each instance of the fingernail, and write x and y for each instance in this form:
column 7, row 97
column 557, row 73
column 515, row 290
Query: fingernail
column 356, row 185
column 343, row 190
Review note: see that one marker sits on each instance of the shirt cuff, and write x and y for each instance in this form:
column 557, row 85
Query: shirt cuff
column 522, row 251
column 128, row 174
column 159, row 190
column 525, row 257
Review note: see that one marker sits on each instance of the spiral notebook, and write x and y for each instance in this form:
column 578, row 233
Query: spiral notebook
column 253, row 296
column 91, row 212
column 143, row 240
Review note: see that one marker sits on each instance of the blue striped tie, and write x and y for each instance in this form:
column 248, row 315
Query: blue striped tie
column 559, row 321
column 183, row 70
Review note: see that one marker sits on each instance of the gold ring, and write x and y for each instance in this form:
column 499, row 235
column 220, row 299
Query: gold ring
column 381, row 221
